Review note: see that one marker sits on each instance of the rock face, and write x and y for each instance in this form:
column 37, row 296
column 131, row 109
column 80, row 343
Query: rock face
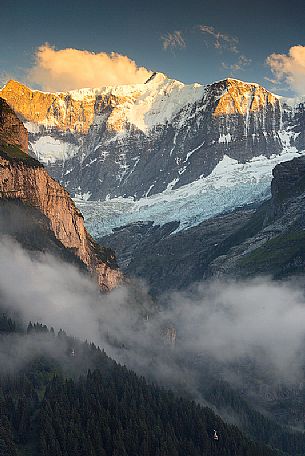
column 49, row 109
column 169, row 261
column 23, row 178
column 33, row 186
column 31, row 229
column 288, row 179
column 12, row 130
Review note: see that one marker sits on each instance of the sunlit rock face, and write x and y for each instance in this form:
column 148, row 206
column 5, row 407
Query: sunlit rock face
column 175, row 150
column 25, row 179
column 48, row 109
column 32, row 185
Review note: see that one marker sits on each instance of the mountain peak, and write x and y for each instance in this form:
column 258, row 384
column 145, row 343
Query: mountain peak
column 233, row 82
column 156, row 77
column 11, row 83
column 239, row 97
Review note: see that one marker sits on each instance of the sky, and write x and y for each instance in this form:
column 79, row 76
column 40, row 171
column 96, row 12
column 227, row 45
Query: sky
column 192, row 41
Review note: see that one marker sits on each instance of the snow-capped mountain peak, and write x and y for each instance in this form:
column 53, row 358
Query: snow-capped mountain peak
column 158, row 140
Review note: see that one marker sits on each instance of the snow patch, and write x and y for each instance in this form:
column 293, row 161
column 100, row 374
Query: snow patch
column 82, row 197
column 31, row 127
column 225, row 138
column 48, row 149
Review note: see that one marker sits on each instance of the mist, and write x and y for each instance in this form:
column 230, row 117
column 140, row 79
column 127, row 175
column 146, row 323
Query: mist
column 225, row 321
column 258, row 319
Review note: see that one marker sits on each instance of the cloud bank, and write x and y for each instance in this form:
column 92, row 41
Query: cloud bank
column 257, row 319
column 68, row 69
column 228, row 322
column 289, row 68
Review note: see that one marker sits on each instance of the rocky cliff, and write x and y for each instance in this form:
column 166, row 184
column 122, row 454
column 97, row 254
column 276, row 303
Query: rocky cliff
column 23, row 178
column 12, row 130
column 272, row 242
column 288, row 181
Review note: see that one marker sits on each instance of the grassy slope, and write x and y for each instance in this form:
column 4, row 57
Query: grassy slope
column 15, row 154
column 282, row 254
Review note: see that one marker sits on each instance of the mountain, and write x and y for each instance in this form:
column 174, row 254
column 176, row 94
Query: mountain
column 54, row 405
column 267, row 240
column 24, row 179
column 273, row 240
column 170, row 260
column 164, row 169
column 161, row 151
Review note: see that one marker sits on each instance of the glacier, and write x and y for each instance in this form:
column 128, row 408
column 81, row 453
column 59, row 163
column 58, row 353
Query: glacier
column 229, row 186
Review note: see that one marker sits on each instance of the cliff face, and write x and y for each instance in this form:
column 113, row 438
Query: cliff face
column 33, row 186
column 272, row 242
column 12, row 130
column 238, row 97
column 23, row 178
column 288, row 180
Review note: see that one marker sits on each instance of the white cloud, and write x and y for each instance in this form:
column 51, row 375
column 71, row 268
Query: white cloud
column 289, row 68
column 221, row 40
column 241, row 63
column 173, row 40
column 67, row 69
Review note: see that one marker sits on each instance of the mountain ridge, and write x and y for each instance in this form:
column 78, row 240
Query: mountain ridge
column 156, row 142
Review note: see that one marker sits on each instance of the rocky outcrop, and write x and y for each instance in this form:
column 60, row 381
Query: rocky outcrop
column 12, row 130
column 288, row 180
column 24, row 179
column 33, row 186
column 272, row 242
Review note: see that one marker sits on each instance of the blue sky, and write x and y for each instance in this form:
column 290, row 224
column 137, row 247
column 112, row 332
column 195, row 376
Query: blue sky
column 134, row 28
